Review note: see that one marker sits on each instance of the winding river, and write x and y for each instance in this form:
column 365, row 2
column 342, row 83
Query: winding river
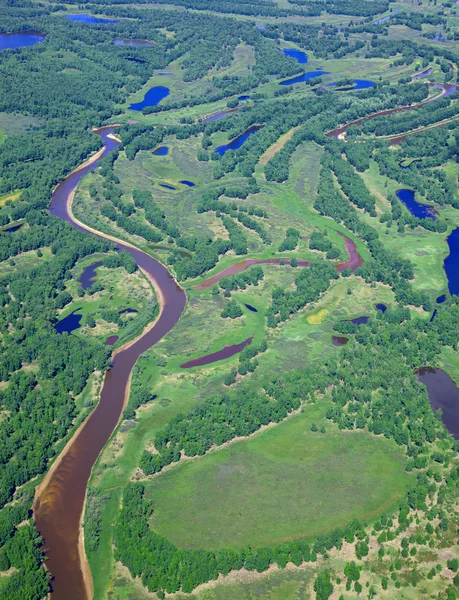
column 60, row 497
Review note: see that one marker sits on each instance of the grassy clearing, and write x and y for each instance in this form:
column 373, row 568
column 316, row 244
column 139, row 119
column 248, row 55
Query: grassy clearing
column 272, row 488
column 318, row 317
column 9, row 197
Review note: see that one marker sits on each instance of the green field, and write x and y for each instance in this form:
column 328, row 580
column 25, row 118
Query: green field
column 279, row 485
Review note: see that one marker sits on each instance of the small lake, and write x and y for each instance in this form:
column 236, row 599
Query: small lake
column 86, row 279
column 423, row 74
column 382, row 20
column 112, row 339
column 339, row 340
column 89, row 19
column 133, row 43
column 451, row 262
column 128, row 311
column 161, row 151
column 168, row 187
column 152, row 98
column 239, row 141
column 11, row 229
column 300, row 56
column 69, row 323
column 216, row 356
column 441, row 299
column 188, row 183
column 136, row 60
column 444, row 394
column 421, row 211
column 242, row 98
column 381, row 307
column 10, row 41
column 363, row 84
column 304, row 77
column 216, row 116
column 251, row 308
column 357, row 320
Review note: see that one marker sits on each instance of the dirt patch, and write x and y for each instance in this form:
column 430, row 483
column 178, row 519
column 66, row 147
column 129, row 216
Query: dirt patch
column 272, row 150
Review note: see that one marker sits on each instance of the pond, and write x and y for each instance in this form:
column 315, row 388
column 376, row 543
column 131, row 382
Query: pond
column 239, row 141
column 451, row 262
column 381, row 307
column 441, row 299
column 300, row 56
column 89, row 19
column 339, row 340
column 69, row 323
column 363, row 84
column 304, row 77
column 112, row 339
column 133, row 43
column 86, row 279
column 242, row 98
column 251, row 308
column 421, row 211
column 423, row 74
column 216, row 116
column 188, row 183
column 168, row 187
column 12, row 229
column 9, row 41
column 161, row 151
column 216, row 356
column 357, row 320
column 125, row 311
column 443, row 393
column 152, row 98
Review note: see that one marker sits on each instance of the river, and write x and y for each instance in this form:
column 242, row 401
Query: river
column 60, row 498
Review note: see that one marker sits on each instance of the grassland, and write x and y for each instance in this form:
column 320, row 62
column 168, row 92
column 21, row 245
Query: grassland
column 271, row 488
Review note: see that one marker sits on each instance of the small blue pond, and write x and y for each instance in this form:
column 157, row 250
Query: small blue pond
column 69, row 323
column 382, row 20
column 13, row 228
column 216, row 116
column 381, row 307
column 363, row 84
column 421, row 211
column 152, row 97
column 242, row 98
column 441, row 299
column 237, row 142
column 85, row 18
column 18, row 40
column 250, row 307
column 452, row 262
column 304, row 77
column 161, row 151
column 423, row 74
column 434, row 314
column 168, row 187
column 300, row 56
column 188, row 183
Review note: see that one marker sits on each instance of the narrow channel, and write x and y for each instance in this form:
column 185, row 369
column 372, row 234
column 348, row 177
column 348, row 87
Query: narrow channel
column 59, row 502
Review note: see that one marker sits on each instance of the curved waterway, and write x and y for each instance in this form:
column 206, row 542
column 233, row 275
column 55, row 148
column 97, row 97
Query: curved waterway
column 60, row 498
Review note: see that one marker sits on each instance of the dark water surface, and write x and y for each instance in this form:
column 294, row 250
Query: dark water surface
column 69, row 323
column 451, row 263
column 20, row 39
column 239, row 141
column 152, row 98
column 59, row 506
column 216, row 356
column 357, row 320
column 303, row 77
column 188, row 183
column 161, row 151
column 300, row 56
column 86, row 279
column 444, row 394
column 381, row 307
column 423, row 74
column 363, row 84
column 112, row 339
column 242, row 98
column 168, row 187
column 339, row 340
column 89, row 19
column 250, row 307
column 421, row 211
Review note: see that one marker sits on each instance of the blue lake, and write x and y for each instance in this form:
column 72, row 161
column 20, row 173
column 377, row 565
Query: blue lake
column 304, row 77
column 168, row 187
column 188, row 183
column 216, row 116
column 161, row 151
column 300, row 56
column 452, row 262
column 152, row 97
column 19, row 40
column 237, row 142
column 242, row 98
column 421, row 211
column 381, row 307
column 251, row 308
column 423, row 74
column 85, row 18
column 441, row 299
column 363, row 84
column 69, row 323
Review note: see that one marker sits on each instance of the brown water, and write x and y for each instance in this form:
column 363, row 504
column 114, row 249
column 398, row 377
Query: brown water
column 242, row 265
column 444, row 394
column 354, row 261
column 339, row 340
column 216, row 356
column 59, row 506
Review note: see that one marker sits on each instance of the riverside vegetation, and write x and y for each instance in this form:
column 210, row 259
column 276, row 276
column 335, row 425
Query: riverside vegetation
column 191, row 488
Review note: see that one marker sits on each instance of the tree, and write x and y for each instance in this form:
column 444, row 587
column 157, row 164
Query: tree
column 323, row 586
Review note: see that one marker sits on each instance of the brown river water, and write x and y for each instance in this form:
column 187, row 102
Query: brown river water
column 60, row 499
